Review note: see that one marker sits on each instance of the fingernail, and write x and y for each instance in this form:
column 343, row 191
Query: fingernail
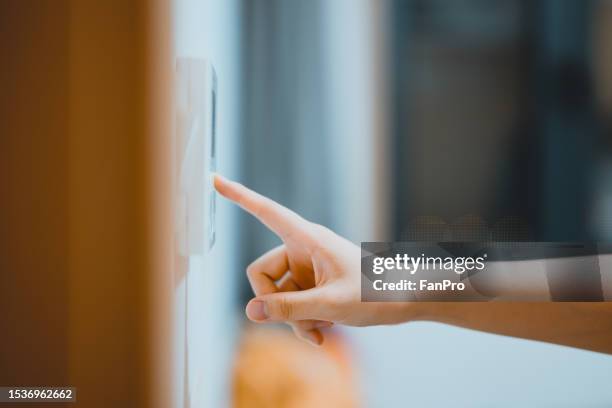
column 213, row 177
column 323, row 325
column 217, row 180
column 256, row 310
column 313, row 338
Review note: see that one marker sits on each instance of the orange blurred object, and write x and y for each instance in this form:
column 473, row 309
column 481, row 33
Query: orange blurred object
column 276, row 370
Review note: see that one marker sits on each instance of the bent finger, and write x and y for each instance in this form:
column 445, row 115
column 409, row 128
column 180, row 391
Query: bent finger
column 287, row 284
column 306, row 325
column 267, row 269
column 314, row 336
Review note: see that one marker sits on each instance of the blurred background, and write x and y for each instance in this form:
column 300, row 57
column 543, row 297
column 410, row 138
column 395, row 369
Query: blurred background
column 430, row 120
column 381, row 119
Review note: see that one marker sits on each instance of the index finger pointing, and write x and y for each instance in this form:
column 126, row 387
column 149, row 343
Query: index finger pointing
column 279, row 219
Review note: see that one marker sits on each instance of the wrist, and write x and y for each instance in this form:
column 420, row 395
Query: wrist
column 428, row 311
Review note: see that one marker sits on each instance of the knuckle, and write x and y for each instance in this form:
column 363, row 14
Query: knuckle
column 320, row 230
column 320, row 236
column 251, row 270
column 285, row 309
column 240, row 197
column 260, row 211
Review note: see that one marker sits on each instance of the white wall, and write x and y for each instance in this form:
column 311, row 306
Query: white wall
column 358, row 145
column 206, row 323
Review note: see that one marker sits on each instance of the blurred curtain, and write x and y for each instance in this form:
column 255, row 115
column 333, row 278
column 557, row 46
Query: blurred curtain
column 285, row 123
column 314, row 118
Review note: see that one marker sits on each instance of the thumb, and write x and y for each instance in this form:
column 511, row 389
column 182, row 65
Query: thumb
column 283, row 306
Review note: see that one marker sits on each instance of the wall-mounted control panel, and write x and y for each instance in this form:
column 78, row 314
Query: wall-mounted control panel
column 195, row 156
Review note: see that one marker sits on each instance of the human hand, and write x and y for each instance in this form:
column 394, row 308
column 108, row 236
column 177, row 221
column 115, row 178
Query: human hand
column 313, row 279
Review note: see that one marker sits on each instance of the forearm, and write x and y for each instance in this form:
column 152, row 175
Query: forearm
column 581, row 325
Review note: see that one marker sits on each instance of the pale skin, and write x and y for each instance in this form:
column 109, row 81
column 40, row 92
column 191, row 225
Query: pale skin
column 312, row 281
